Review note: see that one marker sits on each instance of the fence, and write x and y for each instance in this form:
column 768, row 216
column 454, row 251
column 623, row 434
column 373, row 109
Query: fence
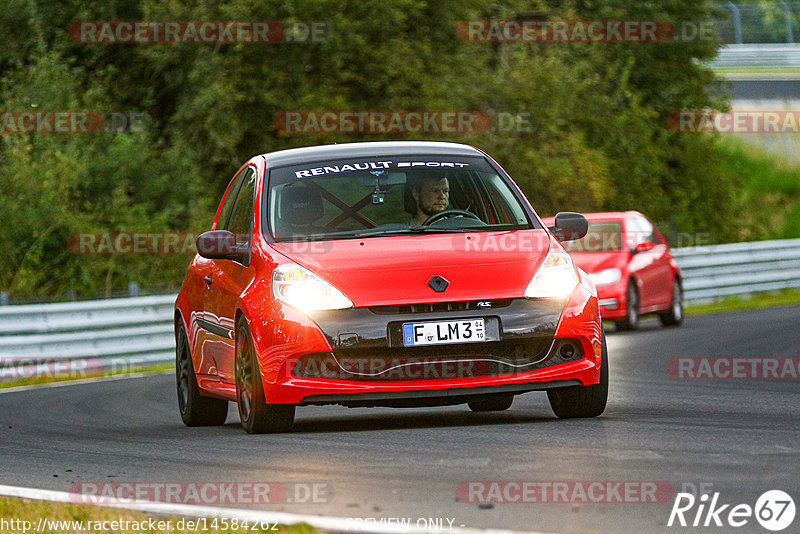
column 759, row 22
column 758, row 55
column 127, row 331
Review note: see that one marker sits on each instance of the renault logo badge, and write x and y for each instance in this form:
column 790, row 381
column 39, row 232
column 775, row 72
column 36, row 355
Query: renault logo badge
column 438, row 284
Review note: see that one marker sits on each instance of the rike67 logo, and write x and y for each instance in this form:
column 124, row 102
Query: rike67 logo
column 774, row 510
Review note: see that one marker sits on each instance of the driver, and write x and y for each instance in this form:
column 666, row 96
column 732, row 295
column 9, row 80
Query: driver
column 431, row 195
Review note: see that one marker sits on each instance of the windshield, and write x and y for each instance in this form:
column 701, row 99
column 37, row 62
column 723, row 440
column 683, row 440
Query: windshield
column 372, row 197
column 601, row 237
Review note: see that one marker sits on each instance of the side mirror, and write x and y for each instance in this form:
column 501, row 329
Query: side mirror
column 569, row 226
column 644, row 246
column 219, row 245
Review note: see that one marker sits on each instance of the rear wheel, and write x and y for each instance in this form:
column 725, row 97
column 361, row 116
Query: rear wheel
column 195, row 409
column 496, row 403
column 674, row 316
column 582, row 401
column 257, row 416
column 631, row 320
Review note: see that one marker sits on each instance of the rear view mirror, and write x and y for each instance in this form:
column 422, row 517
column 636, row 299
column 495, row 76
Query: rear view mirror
column 569, row 226
column 644, row 246
column 382, row 180
column 218, row 245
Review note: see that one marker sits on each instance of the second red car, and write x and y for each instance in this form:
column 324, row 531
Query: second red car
column 629, row 261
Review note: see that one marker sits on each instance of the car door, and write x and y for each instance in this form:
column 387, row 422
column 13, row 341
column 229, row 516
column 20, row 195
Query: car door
column 649, row 266
column 663, row 270
column 207, row 338
column 228, row 279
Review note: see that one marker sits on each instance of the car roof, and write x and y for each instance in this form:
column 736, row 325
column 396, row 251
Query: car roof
column 309, row 154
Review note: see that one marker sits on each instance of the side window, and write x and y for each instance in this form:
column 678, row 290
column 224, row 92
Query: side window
column 225, row 212
column 505, row 206
column 241, row 220
column 639, row 230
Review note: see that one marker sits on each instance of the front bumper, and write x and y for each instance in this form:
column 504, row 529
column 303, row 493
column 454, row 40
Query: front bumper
column 613, row 300
column 356, row 357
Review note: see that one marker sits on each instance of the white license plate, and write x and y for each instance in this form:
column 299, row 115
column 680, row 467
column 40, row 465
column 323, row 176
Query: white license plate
column 444, row 332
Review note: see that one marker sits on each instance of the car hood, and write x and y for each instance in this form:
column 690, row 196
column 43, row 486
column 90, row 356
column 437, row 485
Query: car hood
column 395, row 270
column 594, row 262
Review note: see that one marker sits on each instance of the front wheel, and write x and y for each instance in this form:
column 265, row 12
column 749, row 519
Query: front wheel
column 195, row 409
column 257, row 416
column 674, row 317
column 631, row 320
column 582, row 401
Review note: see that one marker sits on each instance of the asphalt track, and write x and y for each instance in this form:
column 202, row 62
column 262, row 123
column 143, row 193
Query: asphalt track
column 743, row 88
column 739, row 437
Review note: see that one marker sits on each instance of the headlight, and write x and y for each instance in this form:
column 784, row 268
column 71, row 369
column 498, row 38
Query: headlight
column 605, row 277
column 555, row 278
column 299, row 287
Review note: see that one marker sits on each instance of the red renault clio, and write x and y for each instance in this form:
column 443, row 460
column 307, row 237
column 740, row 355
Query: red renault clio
column 395, row 274
column 629, row 261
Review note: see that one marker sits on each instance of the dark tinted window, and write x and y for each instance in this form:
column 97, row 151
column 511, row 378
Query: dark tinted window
column 241, row 221
column 225, row 212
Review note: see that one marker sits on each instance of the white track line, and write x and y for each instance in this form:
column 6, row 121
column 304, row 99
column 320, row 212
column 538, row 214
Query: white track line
column 78, row 381
column 339, row 524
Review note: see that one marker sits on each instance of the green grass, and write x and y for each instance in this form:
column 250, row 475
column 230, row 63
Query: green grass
column 768, row 190
column 12, row 508
column 33, row 381
column 787, row 297
column 757, row 70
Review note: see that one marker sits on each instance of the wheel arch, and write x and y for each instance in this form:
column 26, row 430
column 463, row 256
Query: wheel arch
column 177, row 321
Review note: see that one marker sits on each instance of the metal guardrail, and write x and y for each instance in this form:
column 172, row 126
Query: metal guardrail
column 120, row 333
column 98, row 336
column 757, row 55
column 738, row 269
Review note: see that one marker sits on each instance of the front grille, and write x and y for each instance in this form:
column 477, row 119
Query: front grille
column 435, row 307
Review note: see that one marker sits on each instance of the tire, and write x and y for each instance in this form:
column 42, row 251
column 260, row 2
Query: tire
column 631, row 320
column 256, row 415
column 495, row 403
column 582, row 401
column 674, row 317
column 195, row 409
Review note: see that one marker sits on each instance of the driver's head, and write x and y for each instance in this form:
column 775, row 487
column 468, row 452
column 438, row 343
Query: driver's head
column 432, row 195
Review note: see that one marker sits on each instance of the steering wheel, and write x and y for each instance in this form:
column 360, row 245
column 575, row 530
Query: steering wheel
column 449, row 213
